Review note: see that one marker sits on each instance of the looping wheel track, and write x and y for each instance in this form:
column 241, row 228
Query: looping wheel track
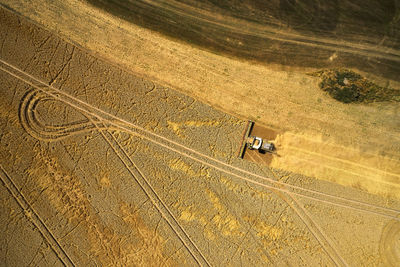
column 101, row 121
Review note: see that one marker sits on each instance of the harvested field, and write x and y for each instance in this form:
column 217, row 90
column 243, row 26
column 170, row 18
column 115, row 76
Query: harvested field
column 128, row 154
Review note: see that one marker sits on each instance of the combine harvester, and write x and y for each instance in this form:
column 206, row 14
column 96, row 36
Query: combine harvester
column 255, row 143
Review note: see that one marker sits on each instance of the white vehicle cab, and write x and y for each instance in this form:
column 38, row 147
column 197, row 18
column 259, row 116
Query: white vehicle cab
column 257, row 143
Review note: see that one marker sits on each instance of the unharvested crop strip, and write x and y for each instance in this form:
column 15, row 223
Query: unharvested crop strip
column 199, row 157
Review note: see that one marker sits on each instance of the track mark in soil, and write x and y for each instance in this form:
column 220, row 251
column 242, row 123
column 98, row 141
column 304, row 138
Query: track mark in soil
column 39, row 130
column 311, row 225
column 153, row 196
column 35, row 219
column 206, row 160
column 69, row 198
column 347, row 86
column 36, row 129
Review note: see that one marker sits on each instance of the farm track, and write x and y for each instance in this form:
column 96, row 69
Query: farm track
column 129, row 127
column 311, row 225
column 103, row 122
column 37, row 129
column 41, row 131
column 35, row 218
column 331, row 219
column 151, row 193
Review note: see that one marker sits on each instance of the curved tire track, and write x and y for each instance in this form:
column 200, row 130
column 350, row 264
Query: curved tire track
column 40, row 131
column 234, row 171
column 33, row 126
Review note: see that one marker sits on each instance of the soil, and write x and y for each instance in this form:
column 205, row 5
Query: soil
column 284, row 31
column 101, row 163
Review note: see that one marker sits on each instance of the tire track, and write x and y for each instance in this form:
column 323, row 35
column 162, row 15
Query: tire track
column 311, row 225
column 52, row 133
column 198, row 156
column 37, row 129
column 33, row 216
column 143, row 182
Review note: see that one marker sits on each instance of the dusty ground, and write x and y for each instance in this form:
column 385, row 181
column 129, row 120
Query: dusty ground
column 103, row 167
